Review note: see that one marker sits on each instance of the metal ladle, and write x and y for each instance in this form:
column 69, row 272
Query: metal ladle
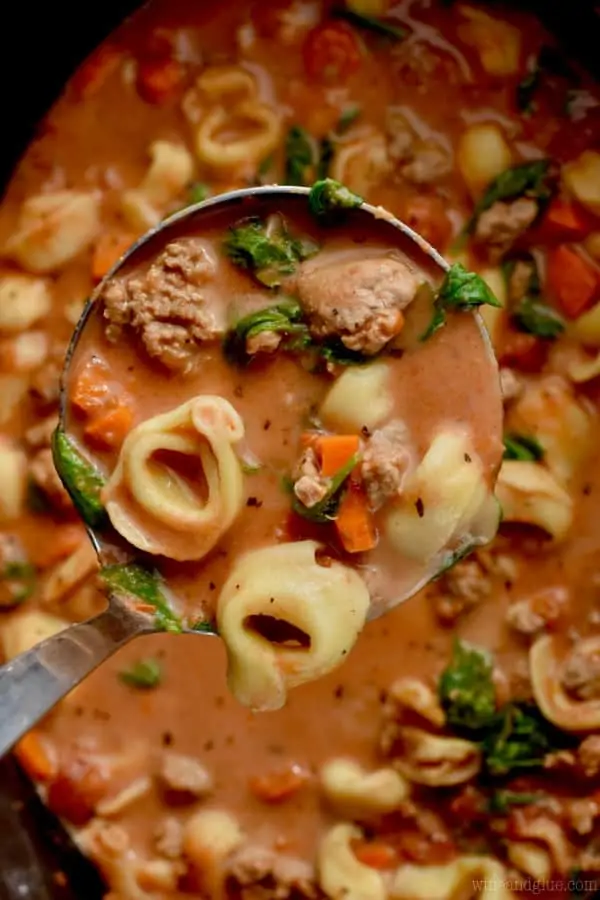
column 32, row 683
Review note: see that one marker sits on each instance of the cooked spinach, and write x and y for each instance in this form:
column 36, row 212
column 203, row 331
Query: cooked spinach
column 328, row 198
column 333, row 350
column 535, row 317
column 524, row 447
column 300, row 156
column 17, row 583
column 283, row 318
column 550, row 61
column 501, row 801
column 371, row 23
column 519, row 738
column 82, row 480
column 326, row 509
column 198, row 192
column 136, row 581
column 466, row 689
column 527, row 88
column 326, row 154
column 270, row 253
column 144, row 674
column 460, row 290
column 347, row 118
column 529, row 179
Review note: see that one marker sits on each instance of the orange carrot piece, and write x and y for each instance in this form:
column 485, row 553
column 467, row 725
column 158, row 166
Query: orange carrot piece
column 144, row 607
column 108, row 430
column 335, row 450
column 91, row 392
column 354, row 522
column 376, row 854
column 160, row 80
column 574, row 280
column 64, row 540
column 109, row 248
column 276, row 787
column 566, row 220
column 34, row 756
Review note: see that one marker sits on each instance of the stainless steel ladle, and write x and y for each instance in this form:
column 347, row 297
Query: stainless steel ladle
column 32, row 683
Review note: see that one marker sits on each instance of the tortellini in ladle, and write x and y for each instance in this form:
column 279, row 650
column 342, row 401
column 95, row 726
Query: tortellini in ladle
column 178, row 483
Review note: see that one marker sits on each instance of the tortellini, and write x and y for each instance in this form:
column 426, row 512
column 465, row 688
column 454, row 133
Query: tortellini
column 53, row 229
column 361, row 397
column 209, row 836
column 171, row 170
column 435, row 760
column 356, row 793
column 530, row 494
column 13, row 480
column 476, row 877
column 563, row 710
column 446, row 500
column 530, row 859
column 24, row 300
column 22, row 632
column 285, row 620
column 341, row 875
column 414, row 695
column 178, row 484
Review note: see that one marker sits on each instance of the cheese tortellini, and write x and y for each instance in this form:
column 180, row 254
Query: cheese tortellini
column 178, row 484
column 360, row 398
column 341, row 874
column 434, row 759
column 171, row 170
column 564, row 709
column 285, row 620
column 469, row 876
column 446, row 501
column 356, row 793
column 530, row 494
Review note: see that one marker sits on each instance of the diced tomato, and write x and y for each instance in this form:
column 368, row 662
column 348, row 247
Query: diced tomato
column 574, row 280
column 565, row 220
column 108, row 430
column 375, row 854
column 426, row 214
column 278, row 786
column 523, row 351
column 76, row 790
column 332, row 52
column 414, row 846
column 160, row 80
column 36, row 756
column 96, row 69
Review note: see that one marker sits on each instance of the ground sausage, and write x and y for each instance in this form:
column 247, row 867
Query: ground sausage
column 310, row 487
column 184, row 776
column 460, row 589
column 385, row 462
column 167, row 304
column 499, row 226
column 588, row 756
column 359, row 301
column 429, row 163
column 44, row 476
column 257, row 873
column 580, row 674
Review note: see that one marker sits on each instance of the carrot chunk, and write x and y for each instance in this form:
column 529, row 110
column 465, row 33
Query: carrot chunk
column 65, row 539
column 566, row 220
column 335, row 450
column 91, row 392
column 276, row 787
column 109, row 248
column 574, row 280
column 160, row 80
column 108, row 430
column 376, row 854
column 34, row 756
column 354, row 522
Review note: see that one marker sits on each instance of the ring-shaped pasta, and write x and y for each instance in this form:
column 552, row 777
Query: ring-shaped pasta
column 158, row 510
column 435, row 760
column 218, row 82
column 341, row 874
column 246, row 149
column 453, row 881
column 285, row 620
column 553, row 700
column 529, row 493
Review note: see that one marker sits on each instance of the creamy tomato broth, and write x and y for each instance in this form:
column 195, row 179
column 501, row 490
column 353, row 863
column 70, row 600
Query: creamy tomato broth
column 339, row 454
column 464, row 768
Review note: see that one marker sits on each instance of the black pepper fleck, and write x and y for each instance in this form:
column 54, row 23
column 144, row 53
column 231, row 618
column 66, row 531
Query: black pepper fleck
column 339, row 692
column 238, row 391
column 254, row 501
column 267, row 424
column 467, row 458
column 212, row 586
column 587, row 490
column 366, row 433
column 209, row 745
column 167, row 738
column 420, row 508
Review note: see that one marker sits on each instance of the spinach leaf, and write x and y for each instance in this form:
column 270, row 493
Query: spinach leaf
column 136, row 581
column 300, row 156
column 466, row 689
column 550, row 61
column 347, row 118
column 460, row 290
column 17, row 583
column 524, row 447
column 371, row 23
column 326, row 509
column 197, row 193
column 81, row 479
column 282, row 318
column 326, row 154
column 144, row 674
column 333, row 350
column 269, row 253
column 202, row 626
column 526, row 90
column 518, row 739
column 535, row 317
column 529, row 179
column 328, row 198
column 501, row 801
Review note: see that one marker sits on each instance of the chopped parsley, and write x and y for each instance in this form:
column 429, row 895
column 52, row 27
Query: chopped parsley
column 144, row 674
column 300, row 156
column 524, row 447
column 17, row 583
column 501, row 801
column 466, row 689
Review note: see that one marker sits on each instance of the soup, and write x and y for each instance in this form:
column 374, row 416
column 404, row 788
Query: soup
column 457, row 748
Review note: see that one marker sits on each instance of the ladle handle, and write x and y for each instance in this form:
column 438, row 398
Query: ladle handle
column 33, row 682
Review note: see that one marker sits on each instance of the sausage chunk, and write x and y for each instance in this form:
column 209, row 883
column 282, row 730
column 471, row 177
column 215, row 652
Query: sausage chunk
column 184, row 777
column 310, row 487
column 358, row 301
column 44, row 476
column 385, row 463
column 580, row 674
column 501, row 224
column 257, row 873
column 167, row 305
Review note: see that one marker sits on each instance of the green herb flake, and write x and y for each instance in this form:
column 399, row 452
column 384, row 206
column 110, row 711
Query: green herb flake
column 326, row 509
column 328, row 198
column 147, row 586
column 535, row 317
column 144, row 674
column 501, row 801
column 198, row 193
column 519, row 739
column 81, row 479
column 300, row 156
column 269, row 253
column 282, row 318
column 326, row 154
column 460, row 290
column 347, row 118
column 372, row 23
column 524, row 447
column 201, row 626
column 528, row 179
column 17, row 583
column 466, row 689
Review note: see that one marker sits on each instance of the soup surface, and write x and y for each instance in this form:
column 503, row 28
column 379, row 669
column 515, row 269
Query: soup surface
column 457, row 751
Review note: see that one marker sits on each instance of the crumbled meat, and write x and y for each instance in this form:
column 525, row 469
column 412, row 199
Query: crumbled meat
column 580, row 674
column 166, row 305
column 168, row 838
column 511, row 384
column 501, row 224
column 44, row 386
column 401, row 137
column 581, row 814
column 429, row 163
column 359, row 301
column 519, row 681
column 11, row 550
column 40, row 434
column 184, row 776
column 385, row 462
column 257, row 873
column 310, row 487
column 522, row 617
column 588, row 756
column 263, row 342
column 519, row 281
column 540, row 609
column 44, row 476
column 460, row 589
